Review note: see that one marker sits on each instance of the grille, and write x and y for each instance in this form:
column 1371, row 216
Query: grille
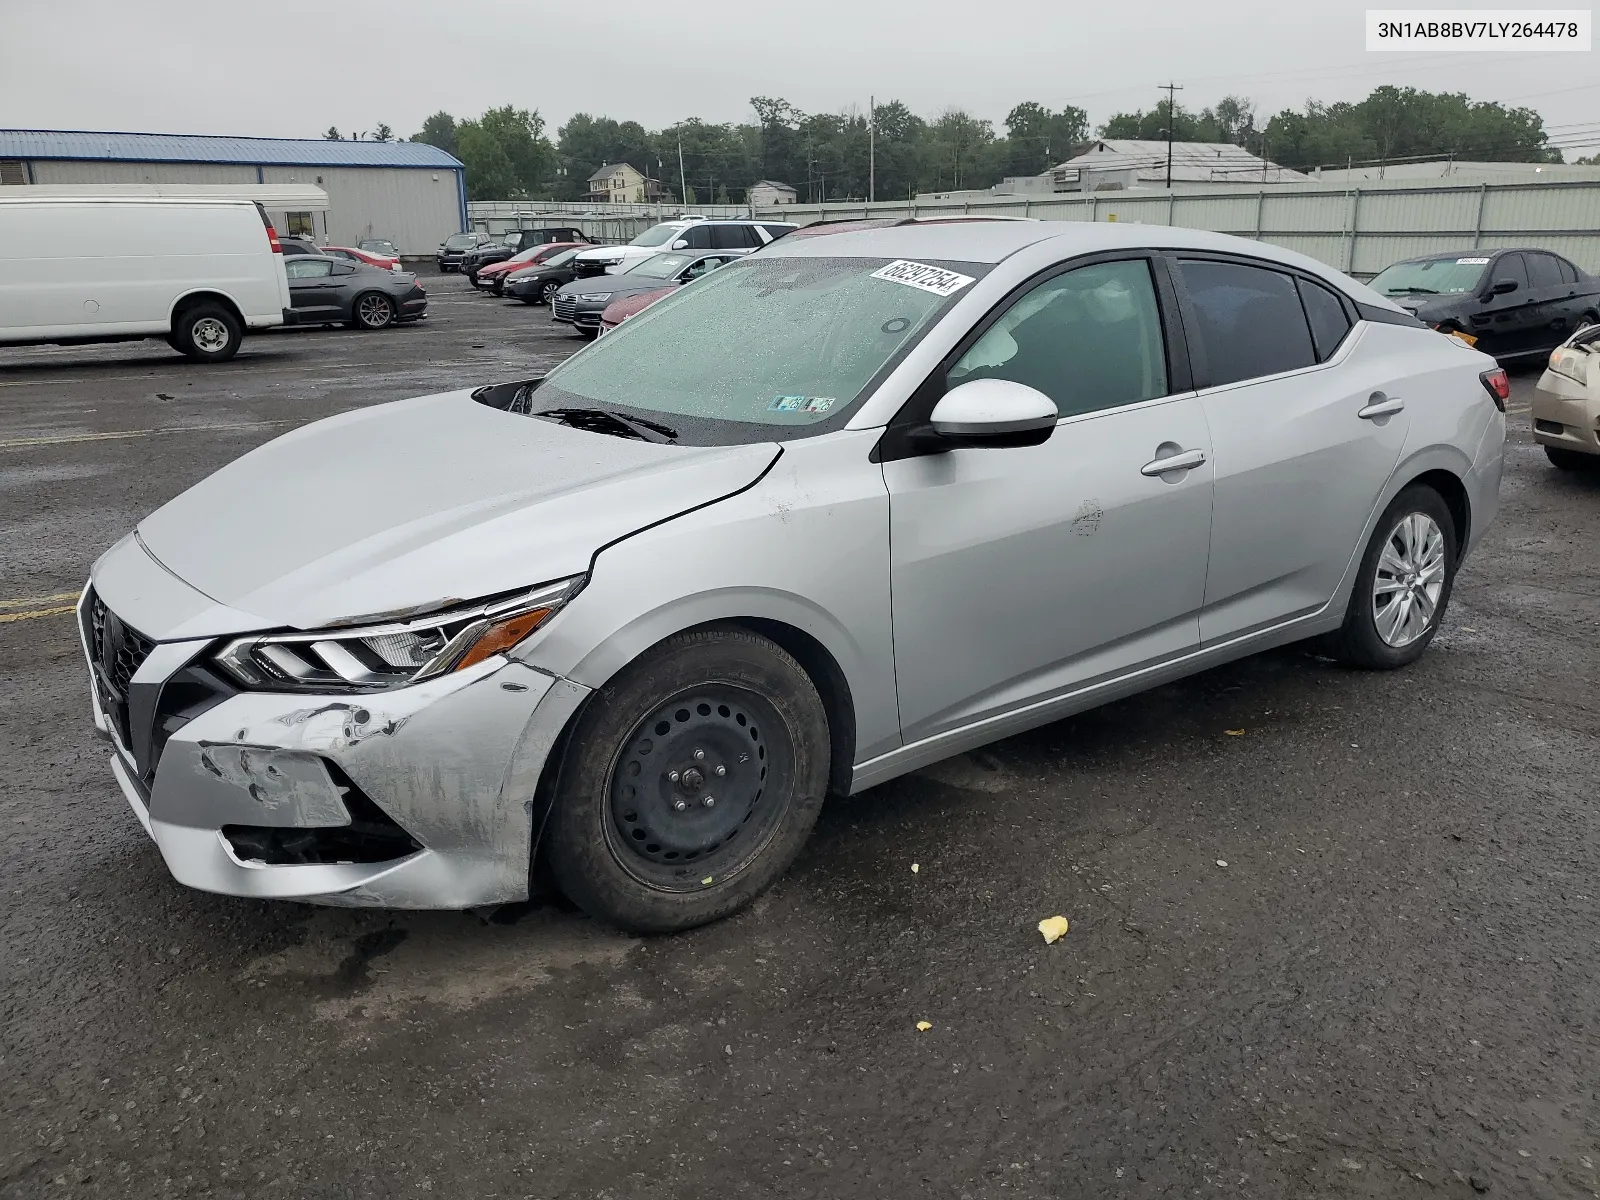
column 118, row 651
column 564, row 307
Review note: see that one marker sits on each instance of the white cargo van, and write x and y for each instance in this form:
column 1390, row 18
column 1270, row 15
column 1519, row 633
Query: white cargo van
column 197, row 272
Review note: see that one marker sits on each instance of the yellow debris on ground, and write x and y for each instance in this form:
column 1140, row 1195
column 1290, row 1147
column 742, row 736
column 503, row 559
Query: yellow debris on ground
column 1054, row 929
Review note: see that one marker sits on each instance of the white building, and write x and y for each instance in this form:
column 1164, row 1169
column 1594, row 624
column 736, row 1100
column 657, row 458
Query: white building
column 765, row 192
column 411, row 193
column 1118, row 163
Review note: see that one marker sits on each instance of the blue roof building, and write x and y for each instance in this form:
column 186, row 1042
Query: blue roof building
column 409, row 192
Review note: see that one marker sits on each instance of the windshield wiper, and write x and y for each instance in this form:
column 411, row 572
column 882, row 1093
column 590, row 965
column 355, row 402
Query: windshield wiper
column 1414, row 291
column 603, row 420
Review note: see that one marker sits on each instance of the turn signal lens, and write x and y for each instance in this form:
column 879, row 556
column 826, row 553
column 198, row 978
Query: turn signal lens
column 1498, row 385
column 501, row 636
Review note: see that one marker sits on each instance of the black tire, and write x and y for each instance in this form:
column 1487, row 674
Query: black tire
column 1358, row 641
column 372, row 311
column 1571, row 460
column 637, row 846
column 206, row 332
column 587, row 335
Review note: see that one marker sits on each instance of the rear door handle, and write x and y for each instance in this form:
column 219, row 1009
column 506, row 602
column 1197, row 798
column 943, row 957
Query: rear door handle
column 1185, row 461
column 1379, row 405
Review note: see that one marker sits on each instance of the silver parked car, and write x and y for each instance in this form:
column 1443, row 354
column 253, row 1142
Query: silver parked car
column 842, row 509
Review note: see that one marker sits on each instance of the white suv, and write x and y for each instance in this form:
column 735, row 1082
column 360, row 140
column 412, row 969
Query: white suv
column 689, row 233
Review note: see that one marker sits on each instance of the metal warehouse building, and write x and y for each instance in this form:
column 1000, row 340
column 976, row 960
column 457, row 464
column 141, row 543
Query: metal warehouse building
column 411, row 193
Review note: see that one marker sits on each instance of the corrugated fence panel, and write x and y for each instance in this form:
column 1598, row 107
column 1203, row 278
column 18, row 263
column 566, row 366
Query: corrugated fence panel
column 1414, row 212
column 1222, row 214
column 1555, row 206
column 1325, row 248
column 1305, row 214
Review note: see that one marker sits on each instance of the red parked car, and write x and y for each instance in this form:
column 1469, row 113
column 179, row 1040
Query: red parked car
column 493, row 277
column 383, row 262
column 621, row 309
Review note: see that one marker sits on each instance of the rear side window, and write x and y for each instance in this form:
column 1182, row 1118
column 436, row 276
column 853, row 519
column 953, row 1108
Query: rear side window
column 1327, row 317
column 1509, row 266
column 1251, row 322
column 1569, row 273
column 777, row 231
column 734, row 237
column 1542, row 271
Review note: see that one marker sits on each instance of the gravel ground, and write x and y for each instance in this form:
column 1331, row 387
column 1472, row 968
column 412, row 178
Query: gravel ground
column 1388, row 990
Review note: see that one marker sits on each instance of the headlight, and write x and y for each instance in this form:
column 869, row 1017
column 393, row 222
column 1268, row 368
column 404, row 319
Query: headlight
column 1570, row 362
column 377, row 657
column 594, row 295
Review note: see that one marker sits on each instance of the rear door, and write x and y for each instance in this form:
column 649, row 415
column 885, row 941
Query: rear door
column 1560, row 308
column 1306, row 432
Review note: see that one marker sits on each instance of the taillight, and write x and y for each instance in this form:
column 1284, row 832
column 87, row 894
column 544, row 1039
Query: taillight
column 1498, row 384
column 272, row 239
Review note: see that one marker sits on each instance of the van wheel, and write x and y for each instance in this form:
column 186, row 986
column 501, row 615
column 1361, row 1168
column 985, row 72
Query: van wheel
column 373, row 310
column 207, row 333
column 1403, row 587
column 690, row 782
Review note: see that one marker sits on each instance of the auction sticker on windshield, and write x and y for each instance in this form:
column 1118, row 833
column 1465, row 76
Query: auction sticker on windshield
column 1479, row 262
column 919, row 275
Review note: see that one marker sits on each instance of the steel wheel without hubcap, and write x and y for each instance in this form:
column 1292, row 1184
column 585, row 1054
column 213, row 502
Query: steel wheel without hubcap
column 1409, row 579
column 374, row 311
column 692, row 792
column 209, row 335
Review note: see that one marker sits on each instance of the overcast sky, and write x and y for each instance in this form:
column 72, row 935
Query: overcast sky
column 291, row 68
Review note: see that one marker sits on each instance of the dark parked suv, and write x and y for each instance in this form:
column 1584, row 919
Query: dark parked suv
column 516, row 242
column 456, row 247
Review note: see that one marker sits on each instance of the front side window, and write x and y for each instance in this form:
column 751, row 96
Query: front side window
column 657, row 235
column 1089, row 339
column 1250, row 320
column 1509, row 266
column 812, row 334
column 1431, row 276
column 308, row 268
column 1327, row 317
column 698, row 237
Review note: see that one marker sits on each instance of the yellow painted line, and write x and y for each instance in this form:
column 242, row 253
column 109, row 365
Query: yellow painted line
column 22, row 443
column 38, row 612
column 23, row 603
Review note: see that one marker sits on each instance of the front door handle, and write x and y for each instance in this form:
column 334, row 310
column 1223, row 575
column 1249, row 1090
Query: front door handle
column 1183, row 461
column 1379, row 405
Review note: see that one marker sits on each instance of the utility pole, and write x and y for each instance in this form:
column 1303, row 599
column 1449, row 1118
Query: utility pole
column 683, row 179
column 872, row 149
column 1170, row 89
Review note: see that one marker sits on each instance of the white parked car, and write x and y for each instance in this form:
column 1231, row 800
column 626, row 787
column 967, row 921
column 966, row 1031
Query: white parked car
column 199, row 273
column 1566, row 403
column 689, row 233
column 835, row 511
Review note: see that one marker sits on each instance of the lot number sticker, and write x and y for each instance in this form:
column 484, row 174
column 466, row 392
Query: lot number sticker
column 923, row 277
column 1476, row 262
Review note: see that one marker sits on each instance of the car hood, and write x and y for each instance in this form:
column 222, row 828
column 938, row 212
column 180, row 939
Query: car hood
column 418, row 503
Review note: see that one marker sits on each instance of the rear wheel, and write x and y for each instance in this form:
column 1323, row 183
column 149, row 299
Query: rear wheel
column 1403, row 586
column 373, row 310
column 690, row 782
column 206, row 332
column 1571, row 460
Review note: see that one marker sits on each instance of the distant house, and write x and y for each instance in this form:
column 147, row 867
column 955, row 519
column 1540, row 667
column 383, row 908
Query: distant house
column 619, row 183
column 767, row 192
column 1117, row 163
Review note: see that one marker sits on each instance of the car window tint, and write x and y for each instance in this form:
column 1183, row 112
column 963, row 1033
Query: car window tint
column 1251, row 322
column 777, row 231
column 1542, row 271
column 1329, row 321
column 698, row 237
column 1569, row 273
column 1089, row 339
column 1509, row 266
column 343, row 269
column 727, row 237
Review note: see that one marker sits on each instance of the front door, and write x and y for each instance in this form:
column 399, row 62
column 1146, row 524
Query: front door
column 1306, row 438
column 311, row 287
column 1021, row 574
column 1507, row 322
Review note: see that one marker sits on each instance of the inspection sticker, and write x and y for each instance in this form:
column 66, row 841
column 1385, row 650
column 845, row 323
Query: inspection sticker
column 801, row 404
column 923, row 277
column 1477, row 262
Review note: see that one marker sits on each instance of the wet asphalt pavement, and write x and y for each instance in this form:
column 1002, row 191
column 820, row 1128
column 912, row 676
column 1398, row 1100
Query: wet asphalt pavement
column 1390, row 989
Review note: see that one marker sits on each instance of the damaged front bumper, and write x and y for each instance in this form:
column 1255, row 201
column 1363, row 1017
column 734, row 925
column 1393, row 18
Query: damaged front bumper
column 419, row 797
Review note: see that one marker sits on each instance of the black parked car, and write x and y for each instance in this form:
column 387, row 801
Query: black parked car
column 515, row 242
column 456, row 247
column 326, row 291
column 1515, row 303
column 536, row 284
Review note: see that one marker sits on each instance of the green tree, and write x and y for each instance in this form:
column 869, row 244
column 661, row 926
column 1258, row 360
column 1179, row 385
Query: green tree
column 332, row 135
column 438, row 130
column 1036, row 138
column 383, row 133
column 506, row 154
column 586, row 143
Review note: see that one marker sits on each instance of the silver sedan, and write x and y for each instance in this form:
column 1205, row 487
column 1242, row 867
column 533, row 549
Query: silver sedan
column 844, row 508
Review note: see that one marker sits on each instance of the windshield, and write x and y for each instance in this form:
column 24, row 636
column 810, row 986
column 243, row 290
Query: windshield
column 1432, row 276
column 526, row 255
column 557, row 260
column 782, row 342
column 377, row 247
column 659, row 266
column 656, row 235
column 460, row 241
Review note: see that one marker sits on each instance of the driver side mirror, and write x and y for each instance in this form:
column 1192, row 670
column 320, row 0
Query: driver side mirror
column 680, row 244
column 992, row 413
column 1501, row 286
